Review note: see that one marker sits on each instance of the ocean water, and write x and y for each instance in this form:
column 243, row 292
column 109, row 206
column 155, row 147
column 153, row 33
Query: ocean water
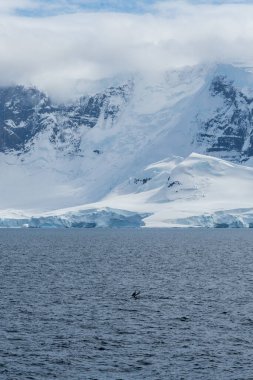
column 66, row 310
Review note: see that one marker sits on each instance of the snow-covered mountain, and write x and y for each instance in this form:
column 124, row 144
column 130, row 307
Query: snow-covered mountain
column 129, row 147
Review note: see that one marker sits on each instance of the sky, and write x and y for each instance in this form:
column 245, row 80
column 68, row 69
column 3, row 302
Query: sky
column 44, row 8
column 58, row 44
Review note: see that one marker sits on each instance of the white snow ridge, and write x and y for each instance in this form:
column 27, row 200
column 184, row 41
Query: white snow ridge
column 129, row 160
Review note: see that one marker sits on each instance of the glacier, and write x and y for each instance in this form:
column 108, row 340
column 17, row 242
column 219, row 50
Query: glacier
column 94, row 218
column 198, row 191
column 171, row 150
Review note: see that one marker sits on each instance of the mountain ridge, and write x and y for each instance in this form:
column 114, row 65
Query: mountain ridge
column 85, row 151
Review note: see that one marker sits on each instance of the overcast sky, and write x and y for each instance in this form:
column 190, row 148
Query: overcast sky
column 54, row 44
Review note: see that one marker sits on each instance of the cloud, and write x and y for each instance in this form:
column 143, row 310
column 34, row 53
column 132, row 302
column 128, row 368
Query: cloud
column 9, row 6
column 55, row 52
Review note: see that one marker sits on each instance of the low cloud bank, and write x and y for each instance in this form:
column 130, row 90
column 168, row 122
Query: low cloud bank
column 56, row 52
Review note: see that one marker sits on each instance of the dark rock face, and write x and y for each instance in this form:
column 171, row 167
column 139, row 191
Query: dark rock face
column 229, row 132
column 21, row 115
column 226, row 131
column 25, row 112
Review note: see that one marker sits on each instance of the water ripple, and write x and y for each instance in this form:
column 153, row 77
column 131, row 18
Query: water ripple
column 66, row 310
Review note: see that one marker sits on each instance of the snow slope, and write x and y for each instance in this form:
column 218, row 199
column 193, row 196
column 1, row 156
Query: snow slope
column 51, row 174
column 183, row 192
column 199, row 191
column 128, row 148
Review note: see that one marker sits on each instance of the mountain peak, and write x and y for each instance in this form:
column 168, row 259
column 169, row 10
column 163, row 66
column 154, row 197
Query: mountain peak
column 80, row 152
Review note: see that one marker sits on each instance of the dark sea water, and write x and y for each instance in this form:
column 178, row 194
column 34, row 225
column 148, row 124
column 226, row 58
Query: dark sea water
column 66, row 310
